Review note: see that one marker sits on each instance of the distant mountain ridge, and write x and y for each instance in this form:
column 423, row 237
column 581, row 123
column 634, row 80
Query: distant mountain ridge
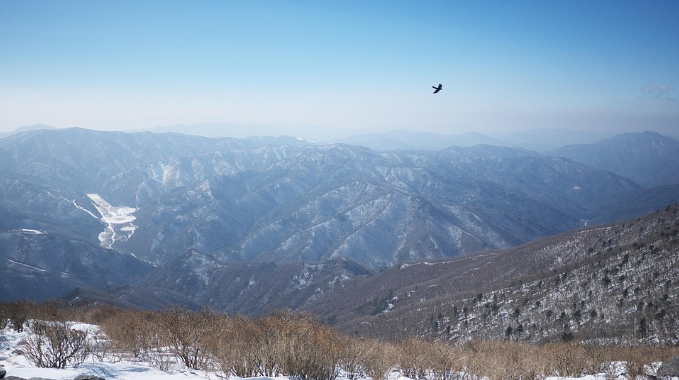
column 648, row 158
column 26, row 128
column 540, row 140
column 544, row 140
column 406, row 140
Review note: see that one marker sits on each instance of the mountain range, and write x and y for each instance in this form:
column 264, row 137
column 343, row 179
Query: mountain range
column 613, row 283
column 223, row 222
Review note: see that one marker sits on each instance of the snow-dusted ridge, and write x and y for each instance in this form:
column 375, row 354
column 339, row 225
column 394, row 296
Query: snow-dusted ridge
column 118, row 221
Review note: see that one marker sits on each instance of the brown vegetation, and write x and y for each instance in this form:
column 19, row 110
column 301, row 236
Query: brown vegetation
column 297, row 345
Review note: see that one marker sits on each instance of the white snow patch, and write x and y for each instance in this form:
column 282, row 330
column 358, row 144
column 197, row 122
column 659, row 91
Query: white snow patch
column 34, row 232
column 25, row 265
column 83, row 209
column 406, row 265
column 118, row 221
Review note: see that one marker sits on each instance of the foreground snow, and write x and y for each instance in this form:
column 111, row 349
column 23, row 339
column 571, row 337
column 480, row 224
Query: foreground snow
column 17, row 365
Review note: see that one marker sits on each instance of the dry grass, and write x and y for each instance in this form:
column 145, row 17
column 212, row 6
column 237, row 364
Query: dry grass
column 297, row 345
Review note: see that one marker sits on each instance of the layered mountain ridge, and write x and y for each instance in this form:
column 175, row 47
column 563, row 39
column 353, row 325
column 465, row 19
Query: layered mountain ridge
column 289, row 201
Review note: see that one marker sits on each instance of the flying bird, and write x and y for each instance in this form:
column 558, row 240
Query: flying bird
column 437, row 89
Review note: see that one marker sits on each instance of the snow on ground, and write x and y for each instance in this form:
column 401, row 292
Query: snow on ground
column 118, row 221
column 17, row 365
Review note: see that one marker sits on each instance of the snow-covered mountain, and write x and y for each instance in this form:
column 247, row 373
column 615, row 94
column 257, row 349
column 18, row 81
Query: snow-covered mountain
column 281, row 201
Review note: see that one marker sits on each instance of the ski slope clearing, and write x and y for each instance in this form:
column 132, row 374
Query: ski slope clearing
column 118, row 221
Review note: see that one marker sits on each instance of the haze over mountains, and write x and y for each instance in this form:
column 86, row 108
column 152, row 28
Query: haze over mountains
column 540, row 140
column 208, row 221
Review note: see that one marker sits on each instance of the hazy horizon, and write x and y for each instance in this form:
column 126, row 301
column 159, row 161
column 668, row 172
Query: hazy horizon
column 607, row 67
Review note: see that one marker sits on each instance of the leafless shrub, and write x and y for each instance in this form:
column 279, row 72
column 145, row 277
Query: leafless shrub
column 638, row 361
column 97, row 315
column 187, row 334
column 101, row 348
column 599, row 357
column 291, row 344
column 301, row 347
column 55, row 344
column 18, row 312
column 446, row 362
column 51, row 311
column 380, row 358
column 242, row 347
column 135, row 334
column 502, row 360
column 4, row 318
column 226, row 349
column 567, row 359
column 430, row 360
column 353, row 353
column 414, row 359
column 264, row 356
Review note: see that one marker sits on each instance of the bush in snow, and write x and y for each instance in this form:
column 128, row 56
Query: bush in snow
column 379, row 358
column 285, row 343
column 55, row 344
column 187, row 334
column 138, row 336
column 17, row 313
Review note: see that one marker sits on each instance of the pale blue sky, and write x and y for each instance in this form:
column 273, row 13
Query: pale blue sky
column 504, row 65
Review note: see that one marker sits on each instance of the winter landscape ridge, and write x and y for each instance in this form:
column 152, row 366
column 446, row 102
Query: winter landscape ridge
column 265, row 192
column 458, row 244
column 280, row 202
column 339, row 190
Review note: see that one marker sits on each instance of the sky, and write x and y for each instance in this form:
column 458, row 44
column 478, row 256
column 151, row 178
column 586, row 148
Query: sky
column 606, row 65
